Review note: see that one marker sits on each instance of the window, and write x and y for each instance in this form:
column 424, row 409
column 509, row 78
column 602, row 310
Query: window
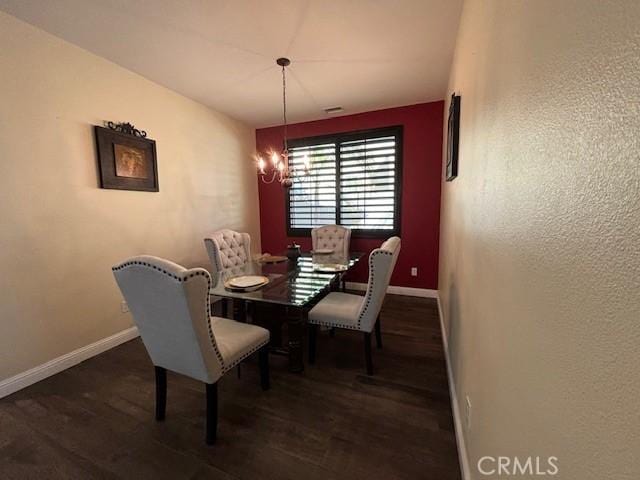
column 354, row 181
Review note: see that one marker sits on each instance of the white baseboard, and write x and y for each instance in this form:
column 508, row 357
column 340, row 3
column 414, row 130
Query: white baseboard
column 396, row 290
column 463, row 458
column 24, row 379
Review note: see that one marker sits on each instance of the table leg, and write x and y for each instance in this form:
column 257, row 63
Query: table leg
column 224, row 303
column 295, row 326
column 271, row 317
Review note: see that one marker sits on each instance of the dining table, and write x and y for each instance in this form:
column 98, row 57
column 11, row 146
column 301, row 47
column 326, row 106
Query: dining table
column 293, row 284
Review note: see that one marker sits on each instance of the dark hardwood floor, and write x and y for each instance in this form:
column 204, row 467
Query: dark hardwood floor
column 96, row 420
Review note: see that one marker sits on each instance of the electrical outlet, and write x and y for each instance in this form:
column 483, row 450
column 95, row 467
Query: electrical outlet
column 414, row 271
column 124, row 307
column 467, row 415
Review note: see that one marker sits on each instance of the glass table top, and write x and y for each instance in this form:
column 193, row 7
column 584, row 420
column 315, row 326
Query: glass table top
column 291, row 282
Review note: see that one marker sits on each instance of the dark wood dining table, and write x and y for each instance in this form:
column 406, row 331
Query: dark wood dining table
column 295, row 285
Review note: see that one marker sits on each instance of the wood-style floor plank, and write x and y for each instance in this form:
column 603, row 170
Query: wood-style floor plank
column 96, row 420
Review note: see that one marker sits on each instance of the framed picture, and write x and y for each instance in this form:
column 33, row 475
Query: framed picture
column 126, row 158
column 453, row 136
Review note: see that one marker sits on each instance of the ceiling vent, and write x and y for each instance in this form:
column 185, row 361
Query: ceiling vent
column 333, row 110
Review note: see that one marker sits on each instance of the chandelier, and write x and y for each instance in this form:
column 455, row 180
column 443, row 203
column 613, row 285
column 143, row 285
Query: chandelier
column 279, row 162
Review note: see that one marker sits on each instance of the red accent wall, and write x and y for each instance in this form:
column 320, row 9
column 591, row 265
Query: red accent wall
column 421, row 172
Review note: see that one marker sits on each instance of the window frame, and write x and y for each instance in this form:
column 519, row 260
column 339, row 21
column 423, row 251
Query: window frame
column 337, row 139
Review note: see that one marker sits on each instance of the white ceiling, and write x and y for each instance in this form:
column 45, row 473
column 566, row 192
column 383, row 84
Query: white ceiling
column 359, row 54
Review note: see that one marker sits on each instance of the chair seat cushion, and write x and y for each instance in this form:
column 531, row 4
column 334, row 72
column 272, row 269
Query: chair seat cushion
column 337, row 310
column 236, row 340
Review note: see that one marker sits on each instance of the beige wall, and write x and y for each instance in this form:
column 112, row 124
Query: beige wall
column 59, row 232
column 540, row 234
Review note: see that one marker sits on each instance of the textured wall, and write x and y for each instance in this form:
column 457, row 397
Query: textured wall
column 421, row 170
column 540, row 233
column 60, row 233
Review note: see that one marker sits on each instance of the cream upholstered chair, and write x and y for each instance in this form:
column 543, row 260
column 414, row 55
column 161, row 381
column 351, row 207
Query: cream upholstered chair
column 354, row 312
column 227, row 248
column 170, row 305
column 334, row 237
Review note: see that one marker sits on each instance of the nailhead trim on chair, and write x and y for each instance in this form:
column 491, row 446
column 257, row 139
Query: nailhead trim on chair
column 331, row 324
column 368, row 297
column 255, row 349
column 184, row 279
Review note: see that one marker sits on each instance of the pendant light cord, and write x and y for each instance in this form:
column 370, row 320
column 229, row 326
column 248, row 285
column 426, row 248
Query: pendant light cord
column 284, row 108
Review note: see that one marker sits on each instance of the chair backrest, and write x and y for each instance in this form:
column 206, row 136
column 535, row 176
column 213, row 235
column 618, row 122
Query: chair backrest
column 335, row 237
column 170, row 306
column 227, row 248
column 381, row 264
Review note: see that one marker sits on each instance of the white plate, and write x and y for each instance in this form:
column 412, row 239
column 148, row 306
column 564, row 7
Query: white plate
column 322, row 251
column 247, row 281
column 330, row 267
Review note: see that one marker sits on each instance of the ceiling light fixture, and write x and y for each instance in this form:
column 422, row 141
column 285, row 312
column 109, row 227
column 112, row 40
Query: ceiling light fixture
column 279, row 168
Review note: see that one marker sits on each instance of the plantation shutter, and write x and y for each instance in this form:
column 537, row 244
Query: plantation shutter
column 312, row 199
column 354, row 180
column 368, row 183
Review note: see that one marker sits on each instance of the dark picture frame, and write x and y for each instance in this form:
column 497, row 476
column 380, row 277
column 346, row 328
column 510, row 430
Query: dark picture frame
column 126, row 161
column 453, row 137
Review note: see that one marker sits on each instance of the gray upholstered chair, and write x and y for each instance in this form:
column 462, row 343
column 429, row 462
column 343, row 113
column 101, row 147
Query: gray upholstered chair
column 227, row 248
column 334, row 237
column 170, row 306
column 354, row 312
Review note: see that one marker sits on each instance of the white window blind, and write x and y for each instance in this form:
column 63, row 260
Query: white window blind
column 354, row 181
column 312, row 198
column 367, row 183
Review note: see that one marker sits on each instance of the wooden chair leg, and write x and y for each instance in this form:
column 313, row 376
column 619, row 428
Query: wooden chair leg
column 264, row 367
column 212, row 413
column 378, row 333
column 225, row 307
column 313, row 333
column 367, row 353
column 161, row 393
